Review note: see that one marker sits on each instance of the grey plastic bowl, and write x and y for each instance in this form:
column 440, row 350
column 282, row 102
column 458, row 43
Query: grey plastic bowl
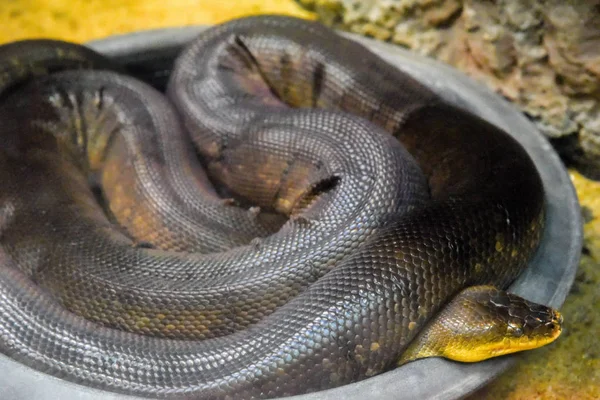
column 547, row 280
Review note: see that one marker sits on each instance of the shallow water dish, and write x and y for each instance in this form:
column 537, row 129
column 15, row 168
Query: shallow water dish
column 547, row 280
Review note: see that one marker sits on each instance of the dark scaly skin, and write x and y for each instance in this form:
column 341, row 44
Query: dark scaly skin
column 213, row 227
column 159, row 292
column 355, row 321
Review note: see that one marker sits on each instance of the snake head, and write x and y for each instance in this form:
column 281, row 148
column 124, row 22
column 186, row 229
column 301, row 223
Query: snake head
column 483, row 322
column 520, row 324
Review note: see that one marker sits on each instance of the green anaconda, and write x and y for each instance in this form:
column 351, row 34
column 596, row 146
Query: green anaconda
column 294, row 214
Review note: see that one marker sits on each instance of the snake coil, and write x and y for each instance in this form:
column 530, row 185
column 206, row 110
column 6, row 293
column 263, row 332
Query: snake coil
column 329, row 208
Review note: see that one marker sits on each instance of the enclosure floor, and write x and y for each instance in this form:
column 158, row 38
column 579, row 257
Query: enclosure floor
column 569, row 368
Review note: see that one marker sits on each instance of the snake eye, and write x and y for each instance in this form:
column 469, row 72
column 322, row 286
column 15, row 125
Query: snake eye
column 515, row 330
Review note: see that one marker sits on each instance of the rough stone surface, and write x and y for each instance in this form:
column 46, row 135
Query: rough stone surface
column 544, row 56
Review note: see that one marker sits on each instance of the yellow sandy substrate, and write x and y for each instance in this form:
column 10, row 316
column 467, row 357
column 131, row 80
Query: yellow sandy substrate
column 567, row 369
column 81, row 20
column 589, row 197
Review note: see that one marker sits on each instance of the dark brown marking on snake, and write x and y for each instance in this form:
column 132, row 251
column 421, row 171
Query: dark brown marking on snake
column 317, row 80
column 286, row 68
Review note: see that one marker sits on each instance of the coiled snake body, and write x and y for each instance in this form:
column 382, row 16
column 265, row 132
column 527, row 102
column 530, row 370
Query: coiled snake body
column 115, row 246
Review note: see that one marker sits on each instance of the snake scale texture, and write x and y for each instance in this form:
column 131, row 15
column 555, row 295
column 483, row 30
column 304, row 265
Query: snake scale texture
column 329, row 207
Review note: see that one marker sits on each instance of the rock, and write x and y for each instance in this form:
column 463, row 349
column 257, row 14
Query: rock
column 544, row 56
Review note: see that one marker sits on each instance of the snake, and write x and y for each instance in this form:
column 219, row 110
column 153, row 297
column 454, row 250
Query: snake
column 291, row 214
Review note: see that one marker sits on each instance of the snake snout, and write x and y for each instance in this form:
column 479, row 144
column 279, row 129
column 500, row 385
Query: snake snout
column 534, row 321
column 529, row 325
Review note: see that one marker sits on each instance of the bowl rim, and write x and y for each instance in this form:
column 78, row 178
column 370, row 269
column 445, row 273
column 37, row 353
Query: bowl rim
column 547, row 279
